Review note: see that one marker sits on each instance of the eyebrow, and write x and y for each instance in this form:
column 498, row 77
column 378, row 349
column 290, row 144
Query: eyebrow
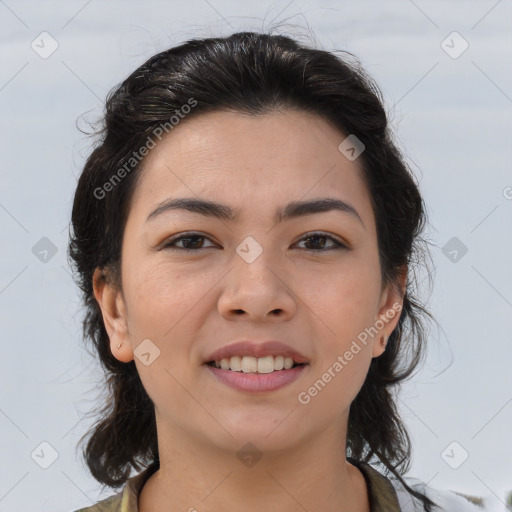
column 293, row 209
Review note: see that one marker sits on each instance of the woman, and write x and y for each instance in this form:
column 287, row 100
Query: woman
column 244, row 235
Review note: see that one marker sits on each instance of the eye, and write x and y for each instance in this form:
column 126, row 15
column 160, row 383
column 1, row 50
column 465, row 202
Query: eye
column 190, row 240
column 319, row 239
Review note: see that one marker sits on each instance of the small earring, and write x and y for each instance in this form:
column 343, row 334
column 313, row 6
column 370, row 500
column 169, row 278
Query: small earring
column 119, row 346
column 384, row 341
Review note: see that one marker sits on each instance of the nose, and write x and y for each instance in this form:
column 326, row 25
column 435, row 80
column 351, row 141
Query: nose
column 257, row 291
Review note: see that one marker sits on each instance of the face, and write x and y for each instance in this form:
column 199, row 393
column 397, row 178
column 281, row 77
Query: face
column 310, row 280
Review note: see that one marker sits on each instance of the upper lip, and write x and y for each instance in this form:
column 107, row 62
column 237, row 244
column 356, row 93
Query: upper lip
column 254, row 349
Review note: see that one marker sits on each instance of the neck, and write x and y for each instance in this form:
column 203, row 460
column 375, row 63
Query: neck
column 314, row 476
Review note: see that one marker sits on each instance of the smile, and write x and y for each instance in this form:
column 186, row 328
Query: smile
column 249, row 364
column 254, row 381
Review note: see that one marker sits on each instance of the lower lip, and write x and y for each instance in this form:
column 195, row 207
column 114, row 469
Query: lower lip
column 257, row 382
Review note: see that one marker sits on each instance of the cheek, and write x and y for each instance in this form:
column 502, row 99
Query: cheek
column 347, row 308
column 158, row 296
column 346, row 302
column 161, row 306
column 332, row 389
column 167, row 305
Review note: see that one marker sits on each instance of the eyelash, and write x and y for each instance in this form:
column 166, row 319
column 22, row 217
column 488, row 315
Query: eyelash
column 187, row 236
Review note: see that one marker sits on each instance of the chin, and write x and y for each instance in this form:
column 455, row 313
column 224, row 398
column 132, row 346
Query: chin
column 272, row 432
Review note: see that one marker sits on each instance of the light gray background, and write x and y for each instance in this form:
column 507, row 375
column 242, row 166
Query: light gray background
column 452, row 116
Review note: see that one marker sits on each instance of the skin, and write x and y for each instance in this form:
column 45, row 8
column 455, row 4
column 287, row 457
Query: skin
column 191, row 303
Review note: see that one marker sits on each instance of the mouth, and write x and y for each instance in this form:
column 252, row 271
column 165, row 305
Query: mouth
column 253, row 367
column 258, row 365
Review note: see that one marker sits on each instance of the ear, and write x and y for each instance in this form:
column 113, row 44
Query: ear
column 390, row 309
column 113, row 309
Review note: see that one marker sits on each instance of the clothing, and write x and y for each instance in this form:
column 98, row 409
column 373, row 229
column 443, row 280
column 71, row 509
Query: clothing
column 384, row 494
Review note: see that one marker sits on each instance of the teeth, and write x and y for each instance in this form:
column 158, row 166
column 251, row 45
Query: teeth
column 249, row 364
column 266, row 364
column 235, row 363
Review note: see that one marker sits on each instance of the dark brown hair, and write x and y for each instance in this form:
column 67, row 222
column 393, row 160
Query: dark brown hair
column 254, row 74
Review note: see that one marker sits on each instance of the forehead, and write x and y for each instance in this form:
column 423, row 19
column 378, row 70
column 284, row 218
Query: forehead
column 249, row 161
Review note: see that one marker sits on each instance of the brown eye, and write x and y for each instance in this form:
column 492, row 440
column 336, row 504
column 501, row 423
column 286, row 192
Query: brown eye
column 318, row 242
column 191, row 242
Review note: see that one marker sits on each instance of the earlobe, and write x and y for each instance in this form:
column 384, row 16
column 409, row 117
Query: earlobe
column 379, row 346
column 389, row 313
column 111, row 303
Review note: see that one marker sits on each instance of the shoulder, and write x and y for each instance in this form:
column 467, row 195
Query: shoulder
column 388, row 494
column 125, row 500
column 447, row 501
column 110, row 504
